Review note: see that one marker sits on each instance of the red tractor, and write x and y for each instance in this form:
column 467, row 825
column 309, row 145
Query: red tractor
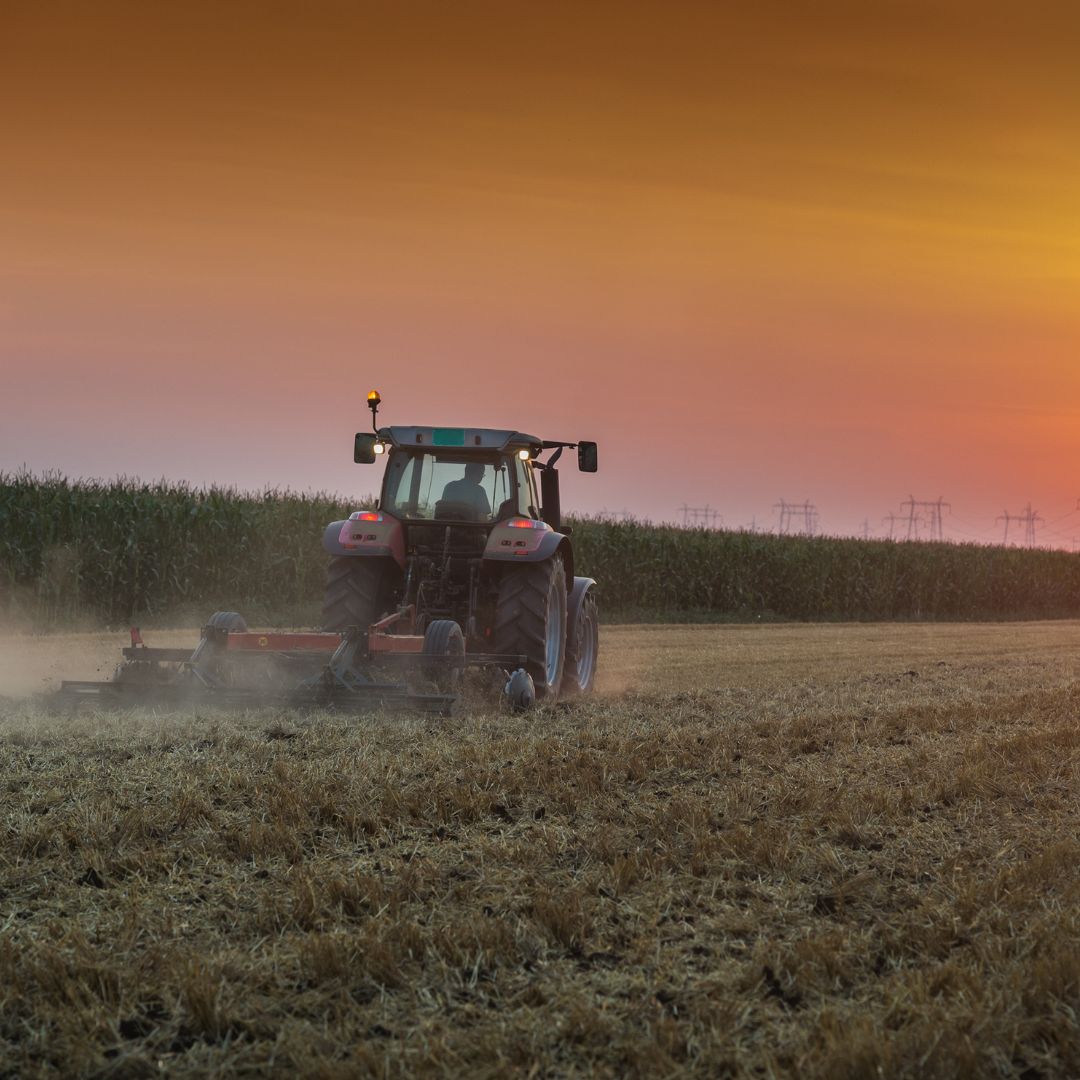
column 465, row 552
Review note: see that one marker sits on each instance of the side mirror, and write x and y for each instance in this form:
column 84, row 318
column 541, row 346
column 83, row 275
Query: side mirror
column 586, row 456
column 364, row 449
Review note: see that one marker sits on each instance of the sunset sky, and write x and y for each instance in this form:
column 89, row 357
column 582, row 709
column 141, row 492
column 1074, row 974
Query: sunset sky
column 757, row 251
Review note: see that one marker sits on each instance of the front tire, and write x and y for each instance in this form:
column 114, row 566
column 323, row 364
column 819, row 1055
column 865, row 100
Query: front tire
column 582, row 648
column 530, row 621
column 356, row 592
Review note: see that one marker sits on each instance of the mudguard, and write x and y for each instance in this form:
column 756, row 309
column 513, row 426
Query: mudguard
column 508, row 544
column 383, row 537
column 581, row 587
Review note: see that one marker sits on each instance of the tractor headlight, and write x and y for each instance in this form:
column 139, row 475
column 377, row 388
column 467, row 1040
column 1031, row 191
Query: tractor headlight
column 524, row 455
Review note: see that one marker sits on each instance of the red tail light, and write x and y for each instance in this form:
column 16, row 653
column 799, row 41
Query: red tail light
column 525, row 523
column 366, row 515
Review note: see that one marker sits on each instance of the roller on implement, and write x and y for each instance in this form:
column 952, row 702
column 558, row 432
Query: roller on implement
column 462, row 569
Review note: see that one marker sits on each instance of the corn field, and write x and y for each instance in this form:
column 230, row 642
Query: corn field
column 107, row 552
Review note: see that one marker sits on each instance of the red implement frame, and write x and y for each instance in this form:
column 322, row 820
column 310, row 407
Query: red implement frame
column 248, row 642
column 379, row 641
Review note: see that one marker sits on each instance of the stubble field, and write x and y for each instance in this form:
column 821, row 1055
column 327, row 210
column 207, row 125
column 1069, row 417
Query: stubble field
column 770, row 850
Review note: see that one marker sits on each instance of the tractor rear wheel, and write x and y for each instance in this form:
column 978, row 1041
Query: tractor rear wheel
column 582, row 649
column 356, row 593
column 530, row 620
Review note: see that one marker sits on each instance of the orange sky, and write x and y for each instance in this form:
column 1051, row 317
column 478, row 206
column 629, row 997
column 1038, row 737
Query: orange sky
column 827, row 251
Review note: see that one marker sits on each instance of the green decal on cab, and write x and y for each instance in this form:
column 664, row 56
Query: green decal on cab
column 448, row 436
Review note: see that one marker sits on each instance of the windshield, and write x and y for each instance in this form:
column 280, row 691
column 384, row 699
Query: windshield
column 448, row 487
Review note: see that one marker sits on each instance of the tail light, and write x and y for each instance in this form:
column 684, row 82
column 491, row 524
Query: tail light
column 366, row 515
column 526, row 523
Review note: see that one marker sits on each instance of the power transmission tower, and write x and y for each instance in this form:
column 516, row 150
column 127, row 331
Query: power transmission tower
column 1030, row 519
column 866, row 529
column 891, row 519
column 703, row 517
column 1008, row 519
column 937, row 529
column 934, row 514
column 785, row 516
column 912, row 527
column 789, row 512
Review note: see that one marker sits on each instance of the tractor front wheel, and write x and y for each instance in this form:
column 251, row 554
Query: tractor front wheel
column 582, row 648
column 530, row 620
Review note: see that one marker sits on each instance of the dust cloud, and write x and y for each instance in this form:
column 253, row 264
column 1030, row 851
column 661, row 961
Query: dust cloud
column 37, row 663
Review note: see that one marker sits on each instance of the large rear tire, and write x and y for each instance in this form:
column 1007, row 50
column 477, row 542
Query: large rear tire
column 530, row 620
column 582, row 649
column 356, row 592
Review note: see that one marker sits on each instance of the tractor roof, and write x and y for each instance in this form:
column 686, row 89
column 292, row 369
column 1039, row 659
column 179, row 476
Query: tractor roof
column 461, row 438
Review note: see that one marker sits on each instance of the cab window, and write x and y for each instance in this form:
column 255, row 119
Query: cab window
column 526, row 489
column 447, row 486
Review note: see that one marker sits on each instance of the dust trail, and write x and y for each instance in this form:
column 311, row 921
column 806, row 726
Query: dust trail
column 36, row 663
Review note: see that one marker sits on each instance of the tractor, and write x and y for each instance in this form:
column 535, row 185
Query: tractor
column 465, row 548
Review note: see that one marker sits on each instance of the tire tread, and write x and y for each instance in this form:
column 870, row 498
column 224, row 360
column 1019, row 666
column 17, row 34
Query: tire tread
column 521, row 616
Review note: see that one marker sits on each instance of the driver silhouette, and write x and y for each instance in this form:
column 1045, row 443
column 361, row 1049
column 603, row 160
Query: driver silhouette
column 468, row 490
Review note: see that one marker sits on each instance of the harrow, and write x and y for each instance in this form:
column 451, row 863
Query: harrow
column 355, row 670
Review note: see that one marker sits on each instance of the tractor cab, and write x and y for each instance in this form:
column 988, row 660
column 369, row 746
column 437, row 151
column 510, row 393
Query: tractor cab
column 479, row 484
